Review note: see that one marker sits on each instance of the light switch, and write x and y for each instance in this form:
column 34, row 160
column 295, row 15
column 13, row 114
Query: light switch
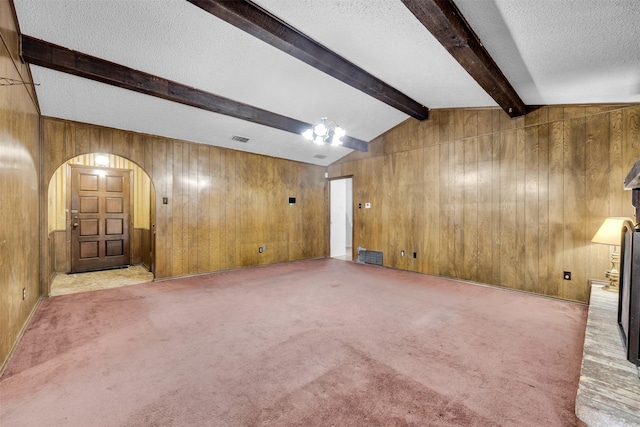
column 367, row 205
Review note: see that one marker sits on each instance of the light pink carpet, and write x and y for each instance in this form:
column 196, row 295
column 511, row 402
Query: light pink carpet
column 310, row 343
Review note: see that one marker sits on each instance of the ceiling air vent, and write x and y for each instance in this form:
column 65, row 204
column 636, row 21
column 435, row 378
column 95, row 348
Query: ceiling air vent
column 319, row 156
column 240, row 139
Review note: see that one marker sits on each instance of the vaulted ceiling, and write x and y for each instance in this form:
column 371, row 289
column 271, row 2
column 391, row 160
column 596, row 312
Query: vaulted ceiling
column 209, row 70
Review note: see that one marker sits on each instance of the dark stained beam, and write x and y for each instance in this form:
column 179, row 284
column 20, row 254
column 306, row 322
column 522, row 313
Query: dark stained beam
column 256, row 21
column 443, row 19
column 45, row 54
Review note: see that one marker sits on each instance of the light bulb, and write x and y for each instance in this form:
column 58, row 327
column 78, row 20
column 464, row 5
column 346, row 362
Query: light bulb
column 335, row 141
column 339, row 132
column 320, row 129
column 308, row 134
column 319, row 140
column 101, row 160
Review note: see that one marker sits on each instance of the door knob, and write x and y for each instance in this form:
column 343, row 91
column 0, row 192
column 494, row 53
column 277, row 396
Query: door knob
column 75, row 224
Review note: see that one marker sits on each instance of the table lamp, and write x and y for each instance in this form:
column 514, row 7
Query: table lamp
column 610, row 233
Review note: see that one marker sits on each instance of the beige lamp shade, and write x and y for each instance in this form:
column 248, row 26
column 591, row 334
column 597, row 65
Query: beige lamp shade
column 610, row 231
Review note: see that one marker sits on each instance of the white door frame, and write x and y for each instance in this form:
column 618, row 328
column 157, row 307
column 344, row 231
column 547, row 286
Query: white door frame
column 341, row 215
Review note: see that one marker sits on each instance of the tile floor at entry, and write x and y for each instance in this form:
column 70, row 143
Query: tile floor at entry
column 64, row 284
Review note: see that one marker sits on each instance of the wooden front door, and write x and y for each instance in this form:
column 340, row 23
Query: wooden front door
column 100, row 205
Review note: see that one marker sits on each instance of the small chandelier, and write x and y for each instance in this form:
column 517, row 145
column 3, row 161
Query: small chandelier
column 325, row 133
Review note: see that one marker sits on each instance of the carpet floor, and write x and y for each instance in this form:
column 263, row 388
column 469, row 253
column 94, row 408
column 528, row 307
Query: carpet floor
column 310, row 343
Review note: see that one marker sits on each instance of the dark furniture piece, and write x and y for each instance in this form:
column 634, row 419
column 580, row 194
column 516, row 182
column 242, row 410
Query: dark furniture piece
column 629, row 296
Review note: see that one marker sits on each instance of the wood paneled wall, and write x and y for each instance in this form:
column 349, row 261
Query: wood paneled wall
column 222, row 204
column 141, row 247
column 511, row 203
column 19, row 190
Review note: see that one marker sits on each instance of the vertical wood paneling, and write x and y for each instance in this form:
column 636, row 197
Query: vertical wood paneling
column 470, row 123
column 178, row 201
column 216, row 208
column 616, row 174
column 458, row 200
column 508, row 207
column 446, row 211
column 521, row 225
column 466, row 167
column 21, row 194
column 630, row 142
column 159, row 176
column 83, row 139
column 222, row 204
column 556, row 207
column 597, row 186
column 486, row 223
column 203, row 217
column 496, row 237
column 485, row 124
column 231, row 196
column 105, row 145
column 431, row 242
column 403, row 203
column 575, row 237
column 531, row 251
column 295, row 214
column 470, row 224
column 192, row 207
column 136, row 152
column 459, row 123
column 515, row 201
column 543, row 281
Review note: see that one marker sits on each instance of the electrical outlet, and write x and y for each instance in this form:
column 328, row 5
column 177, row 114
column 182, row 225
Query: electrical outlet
column 566, row 275
column 415, row 255
column 24, row 293
column 262, row 248
column 401, row 253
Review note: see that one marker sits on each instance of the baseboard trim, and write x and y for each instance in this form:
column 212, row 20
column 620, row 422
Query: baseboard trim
column 185, row 276
column 5, row 362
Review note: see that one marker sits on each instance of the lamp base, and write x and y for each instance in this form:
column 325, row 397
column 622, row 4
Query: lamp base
column 613, row 274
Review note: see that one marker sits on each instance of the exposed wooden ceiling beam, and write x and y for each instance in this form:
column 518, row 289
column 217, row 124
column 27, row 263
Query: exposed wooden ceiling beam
column 256, row 21
column 45, row 54
column 443, row 19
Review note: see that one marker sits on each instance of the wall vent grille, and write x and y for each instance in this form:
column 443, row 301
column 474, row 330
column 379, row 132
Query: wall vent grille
column 369, row 257
column 319, row 156
column 240, row 139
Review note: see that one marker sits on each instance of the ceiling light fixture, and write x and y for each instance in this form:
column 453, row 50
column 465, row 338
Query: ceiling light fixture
column 101, row 160
column 325, row 133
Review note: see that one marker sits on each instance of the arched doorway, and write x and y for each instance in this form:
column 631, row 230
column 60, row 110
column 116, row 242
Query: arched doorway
column 64, row 226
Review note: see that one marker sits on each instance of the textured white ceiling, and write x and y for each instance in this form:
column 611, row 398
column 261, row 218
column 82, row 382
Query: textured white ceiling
column 87, row 101
column 562, row 51
column 552, row 51
column 385, row 39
